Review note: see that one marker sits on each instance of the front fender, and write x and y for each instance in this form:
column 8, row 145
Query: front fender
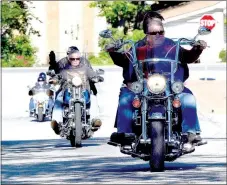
column 157, row 113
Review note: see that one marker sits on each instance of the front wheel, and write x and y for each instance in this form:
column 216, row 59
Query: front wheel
column 78, row 125
column 157, row 157
column 40, row 115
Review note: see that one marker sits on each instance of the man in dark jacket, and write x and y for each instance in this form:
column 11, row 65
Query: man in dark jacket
column 64, row 63
column 155, row 40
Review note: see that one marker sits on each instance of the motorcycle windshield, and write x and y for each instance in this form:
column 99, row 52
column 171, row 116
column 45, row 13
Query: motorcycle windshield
column 160, row 59
column 77, row 76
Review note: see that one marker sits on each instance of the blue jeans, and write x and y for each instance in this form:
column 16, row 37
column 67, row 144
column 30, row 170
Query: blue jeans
column 32, row 105
column 62, row 97
column 124, row 121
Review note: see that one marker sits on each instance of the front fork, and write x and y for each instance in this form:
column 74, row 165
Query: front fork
column 76, row 97
column 145, row 138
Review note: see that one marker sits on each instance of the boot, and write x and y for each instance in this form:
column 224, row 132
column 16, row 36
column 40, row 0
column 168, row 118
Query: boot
column 96, row 124
column 188, row 139
column 54, row 126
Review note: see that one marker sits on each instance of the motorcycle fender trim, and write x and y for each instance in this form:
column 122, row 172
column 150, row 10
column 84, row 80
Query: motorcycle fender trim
column 157, row 113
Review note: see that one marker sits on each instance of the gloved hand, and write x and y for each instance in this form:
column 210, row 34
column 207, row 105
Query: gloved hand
column 53, row 81
column 200, row 44
column 114, row 46
column 100, row 79
column 110, row 47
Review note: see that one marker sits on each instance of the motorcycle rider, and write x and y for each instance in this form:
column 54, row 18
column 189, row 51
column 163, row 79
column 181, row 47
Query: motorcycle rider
column 75, row 63
column 64, row 62
column 40, row 84
column 154, row 30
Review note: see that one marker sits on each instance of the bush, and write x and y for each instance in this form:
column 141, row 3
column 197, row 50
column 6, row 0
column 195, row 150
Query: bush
column 222, row 55
column 103, row 58
column 18, row 52
column 18, row 61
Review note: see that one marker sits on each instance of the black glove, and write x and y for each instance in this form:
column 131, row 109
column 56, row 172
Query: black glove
column 114, row 46
column 100, row 79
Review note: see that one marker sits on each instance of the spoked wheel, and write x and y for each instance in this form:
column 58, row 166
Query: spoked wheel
column 78, row 127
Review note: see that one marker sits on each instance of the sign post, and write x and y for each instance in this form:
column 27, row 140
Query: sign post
column 209, row 22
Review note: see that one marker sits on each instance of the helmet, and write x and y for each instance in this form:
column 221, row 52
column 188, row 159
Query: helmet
column 71, row 49
column 43, row 75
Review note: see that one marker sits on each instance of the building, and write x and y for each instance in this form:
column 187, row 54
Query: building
column 65, row 23
column 184, row 21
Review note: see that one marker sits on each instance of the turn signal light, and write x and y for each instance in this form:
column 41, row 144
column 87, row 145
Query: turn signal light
column 136, row 103
column 176, row 103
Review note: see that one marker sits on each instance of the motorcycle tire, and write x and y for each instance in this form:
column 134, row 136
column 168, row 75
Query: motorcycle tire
column 40, row 115
column 157, row 157
column 76, row 140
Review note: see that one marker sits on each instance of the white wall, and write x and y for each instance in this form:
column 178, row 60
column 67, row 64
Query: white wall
column 100, row 24
column 70, row 16
column 39, row 42
column 215, row 39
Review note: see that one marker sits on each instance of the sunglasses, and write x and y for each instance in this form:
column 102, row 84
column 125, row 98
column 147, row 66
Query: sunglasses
column 156, row 32
column 72, row 59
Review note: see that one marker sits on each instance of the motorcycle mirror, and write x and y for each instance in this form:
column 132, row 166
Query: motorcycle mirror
column 203, row 30
column 106, row 33
column 100, row 71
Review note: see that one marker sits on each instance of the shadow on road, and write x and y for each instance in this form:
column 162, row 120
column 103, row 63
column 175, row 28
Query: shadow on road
column 55, row 161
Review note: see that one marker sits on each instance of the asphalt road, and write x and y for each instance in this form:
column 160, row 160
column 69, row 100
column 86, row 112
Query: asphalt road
column 32, row 153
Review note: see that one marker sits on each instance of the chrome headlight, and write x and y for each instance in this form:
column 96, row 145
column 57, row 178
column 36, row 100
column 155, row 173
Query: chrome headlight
column 156, row 83
column 77, row 81
column 177, row 87
column 137, row 87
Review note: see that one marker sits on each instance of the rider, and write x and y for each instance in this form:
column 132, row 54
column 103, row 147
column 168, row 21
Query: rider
column 74, row 64
column 40, row 84
column 64, row 62
column 153, row 28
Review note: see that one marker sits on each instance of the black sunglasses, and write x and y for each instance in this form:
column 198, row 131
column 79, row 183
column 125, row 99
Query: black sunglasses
column 156, row 32
column 72, row 59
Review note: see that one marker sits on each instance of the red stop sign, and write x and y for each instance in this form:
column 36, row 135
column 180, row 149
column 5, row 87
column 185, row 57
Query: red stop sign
column 208, row 21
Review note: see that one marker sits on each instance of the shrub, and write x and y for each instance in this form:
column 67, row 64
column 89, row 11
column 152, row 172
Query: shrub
column 222, row 55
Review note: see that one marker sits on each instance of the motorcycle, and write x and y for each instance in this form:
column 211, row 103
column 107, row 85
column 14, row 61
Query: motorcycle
column 157, row 117
column 76, row 125
column 41, row 97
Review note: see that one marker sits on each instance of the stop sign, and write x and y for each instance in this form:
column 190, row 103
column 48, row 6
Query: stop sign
column 208, row 21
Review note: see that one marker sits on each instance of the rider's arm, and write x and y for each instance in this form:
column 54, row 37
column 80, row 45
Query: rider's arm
column 189, row 56
column 86, row 62
column 90, row 73
column 119, row 58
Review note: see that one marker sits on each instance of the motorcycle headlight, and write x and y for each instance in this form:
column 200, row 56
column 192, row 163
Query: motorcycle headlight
column 41, row 97
column 156, row 83
column 77, row 81
column 137, row 87
column 177, row 87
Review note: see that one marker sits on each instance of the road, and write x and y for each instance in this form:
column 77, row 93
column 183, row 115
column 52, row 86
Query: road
column 32, row 153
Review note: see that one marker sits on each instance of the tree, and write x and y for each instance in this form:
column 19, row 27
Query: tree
column 16, row 28
column 128, row 14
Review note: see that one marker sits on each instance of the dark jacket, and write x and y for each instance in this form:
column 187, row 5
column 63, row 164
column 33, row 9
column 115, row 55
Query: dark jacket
column 86, row 74
column 185, row 56
column 64, row 63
